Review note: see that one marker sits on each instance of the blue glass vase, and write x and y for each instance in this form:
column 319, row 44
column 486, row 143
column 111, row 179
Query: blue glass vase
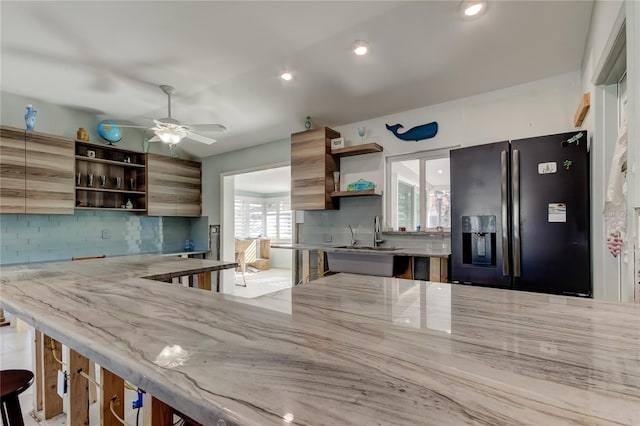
column 30, row 117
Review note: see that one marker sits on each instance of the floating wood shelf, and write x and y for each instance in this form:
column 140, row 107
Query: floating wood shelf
column 367, row 148
column 121, row 191
column 360, row 193
column 104, row 161
column 111, row 208
column 582, row 110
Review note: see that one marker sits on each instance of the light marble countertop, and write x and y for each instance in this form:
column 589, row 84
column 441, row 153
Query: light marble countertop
column 349, row 349
column 399, row 251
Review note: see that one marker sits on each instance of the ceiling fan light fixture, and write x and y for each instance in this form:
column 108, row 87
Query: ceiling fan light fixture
column 170, row 136
column 360, row 47
column 286, row 76
column 472, row 9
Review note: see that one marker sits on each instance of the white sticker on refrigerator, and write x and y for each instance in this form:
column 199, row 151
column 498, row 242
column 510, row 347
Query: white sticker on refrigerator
column 547, row 168
column 557, row 212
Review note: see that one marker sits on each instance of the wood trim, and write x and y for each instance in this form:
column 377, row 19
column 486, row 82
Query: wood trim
column 51, row 401
column 39, row 377
column 348, row 151
column 78, row 390
column 320, row 255
column 204, row 280
column 306, row 266
column 444, row 270
column 157, row 413
column 434, row 269
column 89, row 257
column 358, row 193
column 112, row 386
column 582, row 110
column 93, row 389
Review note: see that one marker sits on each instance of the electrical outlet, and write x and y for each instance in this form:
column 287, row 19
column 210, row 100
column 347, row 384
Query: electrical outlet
column 106, row 234
column 327, row 238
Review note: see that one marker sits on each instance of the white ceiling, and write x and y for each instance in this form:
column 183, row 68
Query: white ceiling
column 269, row 181
column 224, row 58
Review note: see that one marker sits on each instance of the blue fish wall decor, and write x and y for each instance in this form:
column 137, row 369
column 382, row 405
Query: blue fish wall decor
column 424, row 131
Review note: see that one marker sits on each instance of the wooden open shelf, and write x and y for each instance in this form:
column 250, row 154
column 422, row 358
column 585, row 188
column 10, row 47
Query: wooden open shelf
column 119, row 191
column 367, row 148
column 111, row 162
column 111, row 209
column 359, row 193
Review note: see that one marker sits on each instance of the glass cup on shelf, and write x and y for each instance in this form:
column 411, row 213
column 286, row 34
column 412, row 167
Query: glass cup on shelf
column 361, row 132
column 117, row 182
column 103, row 181
column 90, row 180
column 336, row 181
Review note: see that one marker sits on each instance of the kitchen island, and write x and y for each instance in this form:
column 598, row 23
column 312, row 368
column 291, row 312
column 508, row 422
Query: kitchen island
column 353, row 350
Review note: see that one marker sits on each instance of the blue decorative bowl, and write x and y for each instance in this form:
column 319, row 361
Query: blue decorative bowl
column 110, row 131
column 360, row 185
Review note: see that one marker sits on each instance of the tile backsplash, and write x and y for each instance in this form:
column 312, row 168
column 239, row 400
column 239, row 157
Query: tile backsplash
column 26, row 238
column 331, row 227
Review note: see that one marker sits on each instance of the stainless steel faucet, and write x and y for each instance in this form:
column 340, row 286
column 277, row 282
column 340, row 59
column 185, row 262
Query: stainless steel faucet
column 353, row 240
column 377, row 240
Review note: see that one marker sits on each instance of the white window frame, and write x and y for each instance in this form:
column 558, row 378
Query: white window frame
column 390, row 182
column 264, row 202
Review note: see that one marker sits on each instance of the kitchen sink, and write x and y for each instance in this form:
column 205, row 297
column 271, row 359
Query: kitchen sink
column 367, row 263
column 369, row 248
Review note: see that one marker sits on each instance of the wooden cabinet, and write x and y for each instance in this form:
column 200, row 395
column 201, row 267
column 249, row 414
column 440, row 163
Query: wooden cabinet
column 174, row 186
column 108, row 177
column 37, row 173
column 12, row 170
column 312, row 167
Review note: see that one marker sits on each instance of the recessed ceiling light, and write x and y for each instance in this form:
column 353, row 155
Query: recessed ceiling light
column 360, row 47
column 286, row 76
column 472, row 9
column 440, row 171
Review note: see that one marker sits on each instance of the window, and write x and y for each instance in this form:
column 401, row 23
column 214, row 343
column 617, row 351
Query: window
column 418, row 191
column 256, row 217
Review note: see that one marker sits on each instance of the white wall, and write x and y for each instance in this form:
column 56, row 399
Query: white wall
column 613, row 277
column 64, row 121
column 277, row 152
column 633, row 74
column 532, row 109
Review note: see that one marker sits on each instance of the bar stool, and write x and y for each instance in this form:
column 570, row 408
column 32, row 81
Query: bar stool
column 12, row 384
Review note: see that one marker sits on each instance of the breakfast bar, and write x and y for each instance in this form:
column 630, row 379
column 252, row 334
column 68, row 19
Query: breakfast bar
column 353, row 350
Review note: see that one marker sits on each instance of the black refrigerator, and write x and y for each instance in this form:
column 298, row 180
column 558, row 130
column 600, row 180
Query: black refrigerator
column 520, row 214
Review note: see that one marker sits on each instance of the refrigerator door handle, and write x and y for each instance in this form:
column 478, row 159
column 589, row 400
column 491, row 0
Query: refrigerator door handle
column 505, row 213
column 515, row 183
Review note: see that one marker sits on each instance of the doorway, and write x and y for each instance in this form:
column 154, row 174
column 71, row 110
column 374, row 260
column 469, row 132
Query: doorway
column 256, row 216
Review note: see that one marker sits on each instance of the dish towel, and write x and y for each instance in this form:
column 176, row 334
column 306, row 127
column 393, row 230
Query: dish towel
column 615, row 206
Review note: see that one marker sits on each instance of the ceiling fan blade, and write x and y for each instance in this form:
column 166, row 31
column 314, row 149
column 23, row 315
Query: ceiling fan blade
column 131, row 126
column 206, row 127
column 200, row 138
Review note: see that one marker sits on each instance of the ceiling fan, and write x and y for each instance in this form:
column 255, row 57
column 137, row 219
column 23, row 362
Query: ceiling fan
column 171, row 131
